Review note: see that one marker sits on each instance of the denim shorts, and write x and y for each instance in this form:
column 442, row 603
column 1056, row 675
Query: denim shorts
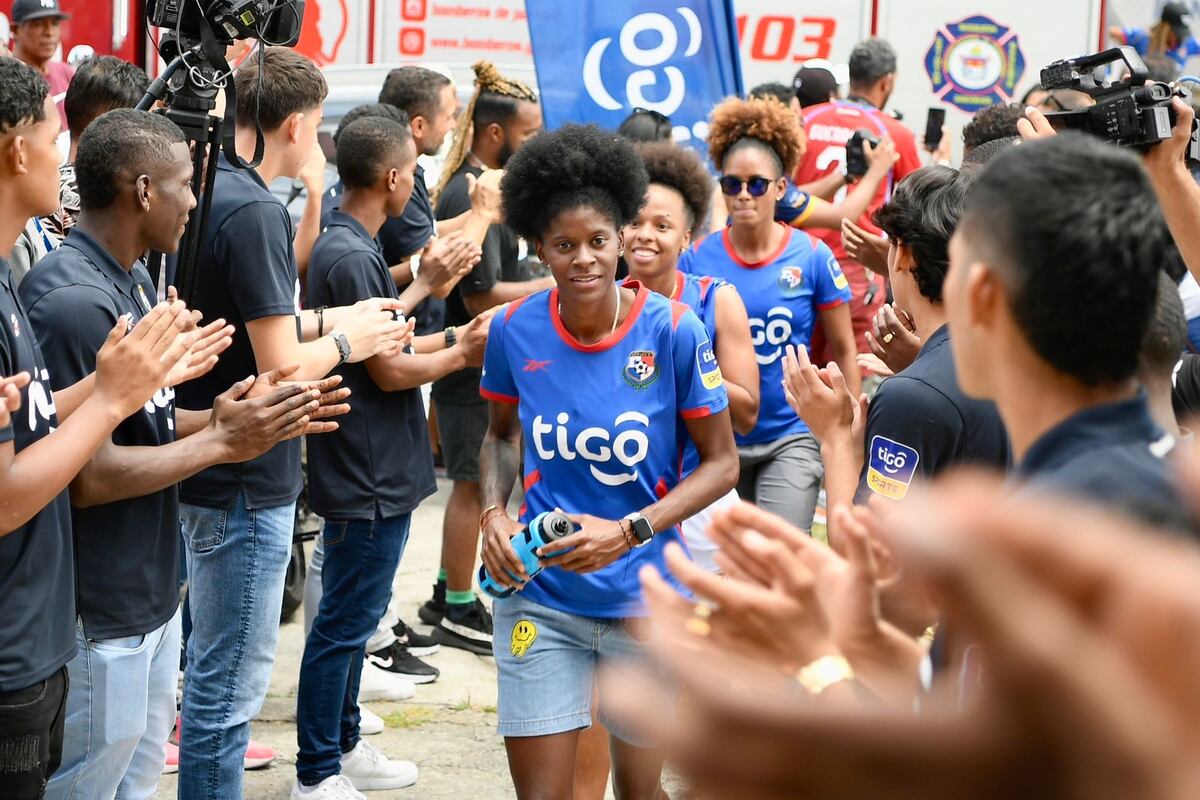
column 547, row 662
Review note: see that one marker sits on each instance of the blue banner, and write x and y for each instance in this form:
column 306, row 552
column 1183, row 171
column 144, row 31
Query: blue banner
column 598, row 60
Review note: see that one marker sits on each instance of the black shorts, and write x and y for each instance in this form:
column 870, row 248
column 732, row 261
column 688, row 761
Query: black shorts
column 31, row 736
column 461, row 428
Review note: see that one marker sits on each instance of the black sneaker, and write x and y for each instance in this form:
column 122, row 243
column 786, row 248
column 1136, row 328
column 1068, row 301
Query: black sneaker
column 431, row 613
column 417, row 643
column 397, row 660
column 467, row 627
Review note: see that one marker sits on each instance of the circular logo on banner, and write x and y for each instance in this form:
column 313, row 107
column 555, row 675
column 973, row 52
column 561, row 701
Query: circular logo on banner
column 975, row 63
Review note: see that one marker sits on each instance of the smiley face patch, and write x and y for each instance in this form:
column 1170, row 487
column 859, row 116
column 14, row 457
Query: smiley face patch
column 523, row 634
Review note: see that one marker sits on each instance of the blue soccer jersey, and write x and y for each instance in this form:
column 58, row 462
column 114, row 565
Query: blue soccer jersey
column 699, row 293
column 601, row 426
column 783, row 294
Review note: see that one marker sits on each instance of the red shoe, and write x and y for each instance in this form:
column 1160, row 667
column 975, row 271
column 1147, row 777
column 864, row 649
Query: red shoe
column 172, row 765
column 257, row 756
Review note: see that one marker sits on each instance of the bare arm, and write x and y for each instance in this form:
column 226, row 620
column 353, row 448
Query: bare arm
column 409, row 370
column 1177, row 191
column 859, row 198
column 500, row 455
column 238, row 430
column 368, row 326
column 188, row 422
column 826, row 187
column 735, row 355
column 840, row 333
column 132, row 367
column 716, row 475
column 505, row 292
column 313, row 178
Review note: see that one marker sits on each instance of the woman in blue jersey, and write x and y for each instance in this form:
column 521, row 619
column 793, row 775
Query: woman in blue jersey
column 676, row 201
column 1171, row 35
column 789, row 281
column 594, row 379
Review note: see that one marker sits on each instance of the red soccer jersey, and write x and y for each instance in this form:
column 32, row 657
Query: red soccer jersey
column 829, row 126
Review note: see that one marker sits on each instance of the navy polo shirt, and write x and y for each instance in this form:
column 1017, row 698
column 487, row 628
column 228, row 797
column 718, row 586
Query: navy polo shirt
column 378, row 462
column 920, row 423
column 37, row 575
column 401, row 237
column 246, row 271
column 1114, row 455
column 127, row 552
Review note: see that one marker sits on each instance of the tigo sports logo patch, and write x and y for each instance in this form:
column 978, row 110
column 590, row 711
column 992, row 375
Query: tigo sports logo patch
column 835, row 272
column 706, row 363
column 791, row 281
column 641, row 369
column 891, row 467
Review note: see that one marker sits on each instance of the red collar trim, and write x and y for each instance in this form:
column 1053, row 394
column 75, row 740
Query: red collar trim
column 609, row 341
column 787, row 238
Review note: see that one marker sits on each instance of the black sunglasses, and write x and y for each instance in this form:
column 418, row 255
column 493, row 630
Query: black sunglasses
column 757, row 185
column 654, row 115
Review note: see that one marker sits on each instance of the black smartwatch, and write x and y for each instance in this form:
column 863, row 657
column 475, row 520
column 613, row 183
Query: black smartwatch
column 642, row 530
column 343, row 346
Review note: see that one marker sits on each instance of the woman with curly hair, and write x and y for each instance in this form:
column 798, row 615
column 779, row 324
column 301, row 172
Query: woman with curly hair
column 676, row 200
column 605, row 385
column 789, row 281
column 825, row 203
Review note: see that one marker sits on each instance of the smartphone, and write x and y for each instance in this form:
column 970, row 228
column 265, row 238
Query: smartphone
column 933, row 128
column 856, row 154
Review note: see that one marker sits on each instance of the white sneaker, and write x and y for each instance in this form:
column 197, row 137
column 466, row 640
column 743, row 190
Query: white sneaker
column 379, row 684
column 369, row 723
column 335, row 787
column 369, row 769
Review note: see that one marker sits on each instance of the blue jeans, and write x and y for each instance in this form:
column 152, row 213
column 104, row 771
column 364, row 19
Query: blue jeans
column 356, row 578
column 236, row 564
column 546, row 663
column 120, row 711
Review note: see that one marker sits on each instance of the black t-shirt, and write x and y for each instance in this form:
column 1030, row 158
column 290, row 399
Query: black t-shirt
column 127, row 552
column 401, row 237
column 921, row 423
column 247, row 271
column 501, row 250
column 379, row 459
column 37, row 575
column 1114, row 455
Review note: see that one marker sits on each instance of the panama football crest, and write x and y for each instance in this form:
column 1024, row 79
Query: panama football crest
column 641, row 369
column 791, row 281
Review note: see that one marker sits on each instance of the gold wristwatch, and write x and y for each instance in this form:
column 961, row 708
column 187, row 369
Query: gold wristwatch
column 826, row 671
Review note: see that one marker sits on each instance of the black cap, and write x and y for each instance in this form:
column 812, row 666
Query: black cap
column 26, row 10
column 1179, row 17
column 814, row 85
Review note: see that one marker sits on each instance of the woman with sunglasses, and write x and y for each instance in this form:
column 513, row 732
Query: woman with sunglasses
column 789, row 281
column 605, row 385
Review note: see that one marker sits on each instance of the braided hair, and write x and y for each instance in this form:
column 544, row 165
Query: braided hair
column 488, row 83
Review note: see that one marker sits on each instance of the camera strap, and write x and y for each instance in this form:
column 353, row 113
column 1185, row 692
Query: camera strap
column 214, row 52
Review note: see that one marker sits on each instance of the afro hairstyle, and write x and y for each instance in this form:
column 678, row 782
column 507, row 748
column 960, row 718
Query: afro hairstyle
column 762, row 123
column 576, row 165
column 670, row 165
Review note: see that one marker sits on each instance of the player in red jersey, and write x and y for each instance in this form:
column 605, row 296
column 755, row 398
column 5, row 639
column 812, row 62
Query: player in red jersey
column 829, row 126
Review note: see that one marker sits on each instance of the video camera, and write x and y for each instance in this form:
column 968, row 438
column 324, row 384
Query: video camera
column 275, row 22
column 1131, row 112
column 194, row 36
